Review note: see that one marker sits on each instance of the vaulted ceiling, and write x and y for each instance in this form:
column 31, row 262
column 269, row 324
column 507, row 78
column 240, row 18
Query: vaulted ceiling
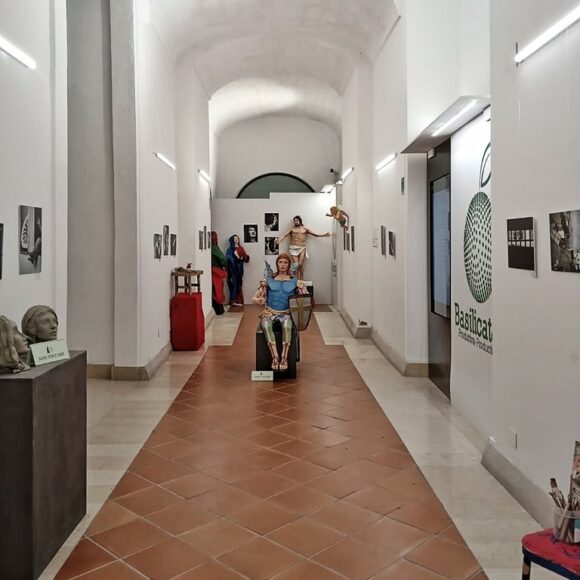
column 264, row 57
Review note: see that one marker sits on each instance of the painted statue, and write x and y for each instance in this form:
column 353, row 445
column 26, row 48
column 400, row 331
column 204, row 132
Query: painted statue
column 297, row 249
column 274, row 294
column 40, row 324
column 339, row 215
column 218, row 275
column 236, row 258
column 14, row 348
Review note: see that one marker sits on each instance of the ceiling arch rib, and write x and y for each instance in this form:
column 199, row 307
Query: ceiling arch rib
column 287, row 97
column 271, row 56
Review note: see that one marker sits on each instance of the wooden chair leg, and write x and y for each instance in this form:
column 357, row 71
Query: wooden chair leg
column 526, row 569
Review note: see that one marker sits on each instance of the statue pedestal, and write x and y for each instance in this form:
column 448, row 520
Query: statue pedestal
column 43, row 463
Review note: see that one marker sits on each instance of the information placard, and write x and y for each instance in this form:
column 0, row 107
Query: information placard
column 48, row 352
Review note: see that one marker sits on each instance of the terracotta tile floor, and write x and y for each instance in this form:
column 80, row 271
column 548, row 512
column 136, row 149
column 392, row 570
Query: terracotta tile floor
column 301, row 479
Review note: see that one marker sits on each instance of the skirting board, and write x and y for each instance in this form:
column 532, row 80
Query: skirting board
column 531, row 497
column 356, row 330
column 406, row 368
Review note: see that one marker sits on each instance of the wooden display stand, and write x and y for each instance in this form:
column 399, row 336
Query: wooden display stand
column 186, row 280
column 43, row 463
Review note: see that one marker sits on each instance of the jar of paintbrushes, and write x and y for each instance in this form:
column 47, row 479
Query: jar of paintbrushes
column 567, row 510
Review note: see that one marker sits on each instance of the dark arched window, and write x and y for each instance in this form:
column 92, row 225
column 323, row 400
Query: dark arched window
column 260, row 187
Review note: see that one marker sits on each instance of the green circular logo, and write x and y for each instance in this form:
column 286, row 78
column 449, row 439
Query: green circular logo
column 477, row 247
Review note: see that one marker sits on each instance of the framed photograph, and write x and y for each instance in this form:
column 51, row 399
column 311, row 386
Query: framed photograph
column 30, row 239
column 208, row 239
column 392, row 244
column 1, row 247
column 347, row 241
column 521, row 242
column 206, row 246
column 271, row 222
column 352, row 238
column 166, row 240
column 383, row 241
column 565, row 241
column 251, row 234
column 201, row 240
column 157, row 246
column 271, row 247
column 174, row 244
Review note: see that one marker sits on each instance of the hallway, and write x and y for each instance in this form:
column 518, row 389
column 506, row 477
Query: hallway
column 304, row 480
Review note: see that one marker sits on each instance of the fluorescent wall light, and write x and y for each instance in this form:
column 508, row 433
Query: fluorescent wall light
column 16, row 53
column 204, row 176
column 380, row 166
column 164, row 159
column 347, row 173
column 454, row 118
column 548, row 35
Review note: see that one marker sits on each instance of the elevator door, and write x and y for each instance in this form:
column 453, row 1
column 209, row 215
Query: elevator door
column 439, row 202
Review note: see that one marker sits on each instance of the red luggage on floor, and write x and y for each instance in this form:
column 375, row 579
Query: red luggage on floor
column 187, row 321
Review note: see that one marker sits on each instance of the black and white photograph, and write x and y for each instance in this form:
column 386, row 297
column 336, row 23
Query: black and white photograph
column 174, row 244
column 1, row 247
column 30, row 239
column 346, row 241
column 271, row 247
column 565, row 241
column 521, row 241
column 206, row 245
column 271, row 222
column 208, row 239
column 352, row 238
column 166, row 240
column 201, row 240
column 392, row 246
column 383, row 241
column 157, row 246
column 251, row 234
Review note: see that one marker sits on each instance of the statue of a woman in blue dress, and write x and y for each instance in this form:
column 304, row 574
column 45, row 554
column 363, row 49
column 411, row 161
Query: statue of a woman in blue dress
column 273, row 294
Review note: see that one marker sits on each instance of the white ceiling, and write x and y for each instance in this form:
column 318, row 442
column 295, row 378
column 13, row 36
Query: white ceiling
column 264, row 57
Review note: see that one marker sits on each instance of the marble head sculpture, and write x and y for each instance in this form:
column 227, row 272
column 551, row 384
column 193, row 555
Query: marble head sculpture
column 13, row 348
column 40, row 323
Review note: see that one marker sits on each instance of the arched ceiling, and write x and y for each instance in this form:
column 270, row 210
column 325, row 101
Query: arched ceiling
column 250, row 53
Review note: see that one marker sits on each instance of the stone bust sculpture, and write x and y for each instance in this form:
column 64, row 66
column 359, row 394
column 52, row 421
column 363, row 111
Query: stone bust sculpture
column 13, row 348
column 40, row 323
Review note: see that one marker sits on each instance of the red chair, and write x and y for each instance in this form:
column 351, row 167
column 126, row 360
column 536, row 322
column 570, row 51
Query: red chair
column 543, row 550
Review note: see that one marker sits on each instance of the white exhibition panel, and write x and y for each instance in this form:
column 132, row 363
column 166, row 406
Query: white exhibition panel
column 230, row 215
column 471, row 361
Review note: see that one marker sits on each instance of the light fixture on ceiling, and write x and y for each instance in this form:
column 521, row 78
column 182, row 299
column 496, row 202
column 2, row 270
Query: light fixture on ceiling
column 164, row 159
column 204, row 176
column 465, row 109
column 554, row 30
column 16, row 53
column 389, row 159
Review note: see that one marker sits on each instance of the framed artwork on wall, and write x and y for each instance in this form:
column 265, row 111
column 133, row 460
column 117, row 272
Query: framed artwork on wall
column 565, row 241
column 166, row 240
column 251, row 234
column 157, row 246
column 208, row 239
column 392, row 248
column 271, row 222
column 383, row 241
column 352, row 238
column 30, row 239
column 271, row 246
column 206, row 245
column 174, row 244
column 347, row 241
column 521, row 242
column 201, row 240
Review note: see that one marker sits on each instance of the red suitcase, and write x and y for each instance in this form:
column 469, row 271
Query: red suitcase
column 187, row 321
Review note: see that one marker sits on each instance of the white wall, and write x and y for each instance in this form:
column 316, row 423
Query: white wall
column 33, row 159
column 91, row 208
column 230, row 215
column 157, row 183
column 301, row 147
column 535, row 139
column 193, row 153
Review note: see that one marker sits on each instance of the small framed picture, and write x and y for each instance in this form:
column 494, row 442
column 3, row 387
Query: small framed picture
column 271, row 221
column 208, row 239
column 347, row 241
column 383, row 241
column 251, row 234
column 157, row 246
column 271, row 247
column 352, row 238
column 174, row 244
column 201, row 240
column 166, row 240
column 392, row 248
column 205, row 244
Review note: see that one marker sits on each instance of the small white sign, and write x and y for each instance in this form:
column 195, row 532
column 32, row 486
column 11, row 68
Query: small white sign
column 262, row 375
column 49, row 352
